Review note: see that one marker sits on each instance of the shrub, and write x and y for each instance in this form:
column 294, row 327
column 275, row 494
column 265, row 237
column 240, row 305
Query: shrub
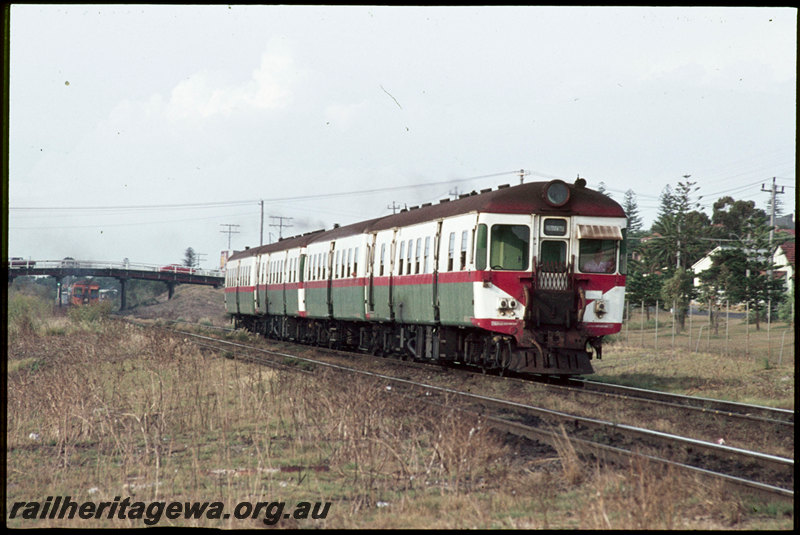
column 90, row 313
column 26, row 314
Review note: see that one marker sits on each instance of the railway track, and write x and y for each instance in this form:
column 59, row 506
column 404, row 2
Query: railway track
column 717, row 407
column 750, row 427
column 752, row 471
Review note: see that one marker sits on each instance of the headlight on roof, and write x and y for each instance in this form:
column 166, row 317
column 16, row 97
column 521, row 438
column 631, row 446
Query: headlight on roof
column 556, row 193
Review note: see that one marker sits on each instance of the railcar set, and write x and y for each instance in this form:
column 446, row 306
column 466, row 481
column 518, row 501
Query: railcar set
column 527, row 278
column 84, row 293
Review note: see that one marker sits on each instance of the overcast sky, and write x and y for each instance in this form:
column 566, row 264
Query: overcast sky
column 137, row 131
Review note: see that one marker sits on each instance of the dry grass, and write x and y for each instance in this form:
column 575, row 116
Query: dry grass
column 98, row 409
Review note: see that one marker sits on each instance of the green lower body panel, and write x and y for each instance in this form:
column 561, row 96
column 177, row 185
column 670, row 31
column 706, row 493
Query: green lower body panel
column 456, row 303
column 275, row 302
column 381, row 310
column 413, row 299
column 348, row 303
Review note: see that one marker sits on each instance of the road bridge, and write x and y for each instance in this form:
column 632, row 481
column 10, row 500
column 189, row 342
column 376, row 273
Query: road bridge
column 171, row 275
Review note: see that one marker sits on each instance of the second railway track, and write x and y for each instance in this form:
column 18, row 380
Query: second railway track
column 755, row 471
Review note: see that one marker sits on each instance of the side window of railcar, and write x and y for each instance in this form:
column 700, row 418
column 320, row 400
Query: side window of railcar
column 418, row 256
column 464, row 243
column 597, row 256
column 425, row 265
column 400, row 260
column 509, row 247
column 451, row 249
column 383, row 256
column 355, row 262
column 408, row 256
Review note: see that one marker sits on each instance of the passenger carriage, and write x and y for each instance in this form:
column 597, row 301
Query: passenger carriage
column 528, row 278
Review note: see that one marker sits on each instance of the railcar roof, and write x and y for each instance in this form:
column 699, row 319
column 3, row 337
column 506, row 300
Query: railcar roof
column 521, row 199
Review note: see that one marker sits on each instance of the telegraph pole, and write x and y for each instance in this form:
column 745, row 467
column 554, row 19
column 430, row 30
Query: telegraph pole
column 774, row 191
column 280, row 224
column 678, row 262
column 393, row 207
column 198, row 259
column 261, row 238
column 229, row 232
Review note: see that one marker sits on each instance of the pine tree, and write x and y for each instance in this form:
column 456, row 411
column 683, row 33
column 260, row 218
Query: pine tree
column 681, row 226
column 190, row 258
column 631, row 208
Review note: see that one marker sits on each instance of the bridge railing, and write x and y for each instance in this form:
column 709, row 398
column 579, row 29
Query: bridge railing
column 17, row 263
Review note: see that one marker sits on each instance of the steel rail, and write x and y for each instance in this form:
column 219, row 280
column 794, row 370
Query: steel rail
column 710, row 405
column 743, row 456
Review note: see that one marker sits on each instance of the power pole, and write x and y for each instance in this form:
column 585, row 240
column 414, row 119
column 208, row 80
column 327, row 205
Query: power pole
column 197, row 259
column 261, row 239
column 229, row 232
column 394, row 206
column 774, row 191
column 280, row 224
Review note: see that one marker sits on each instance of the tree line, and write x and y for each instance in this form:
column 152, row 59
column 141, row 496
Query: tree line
column 741, row 270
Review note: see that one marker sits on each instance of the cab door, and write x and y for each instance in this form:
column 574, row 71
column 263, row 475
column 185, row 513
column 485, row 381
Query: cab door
column 553, row 263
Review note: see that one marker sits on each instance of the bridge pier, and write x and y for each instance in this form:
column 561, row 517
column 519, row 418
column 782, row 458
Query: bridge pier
column 123, row 283
column 170, row 290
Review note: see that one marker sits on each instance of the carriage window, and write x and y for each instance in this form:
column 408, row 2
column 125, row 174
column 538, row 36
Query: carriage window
column 451, row 251
column 509, row 247
column 418, row 256
column 427, row 253
column 408, row 256
column 402, row 253
column 480, row 248
column 463, row 250
column 383, row 255
column 553, row 253
column 355, row 262
column 597, row 256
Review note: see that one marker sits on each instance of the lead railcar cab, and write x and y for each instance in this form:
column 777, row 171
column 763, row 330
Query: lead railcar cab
column 527, row 278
